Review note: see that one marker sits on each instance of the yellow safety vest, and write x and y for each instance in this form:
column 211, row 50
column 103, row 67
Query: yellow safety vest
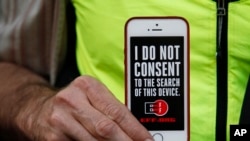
column 100, row 51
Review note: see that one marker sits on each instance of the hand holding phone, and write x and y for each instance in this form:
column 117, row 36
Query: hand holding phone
column 157, row 75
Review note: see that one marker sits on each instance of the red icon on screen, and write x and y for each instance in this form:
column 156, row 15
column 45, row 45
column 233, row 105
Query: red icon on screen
column 159, row 107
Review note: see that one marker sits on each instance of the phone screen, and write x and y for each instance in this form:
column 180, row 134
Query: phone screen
column 157, row 81
column 157, row 75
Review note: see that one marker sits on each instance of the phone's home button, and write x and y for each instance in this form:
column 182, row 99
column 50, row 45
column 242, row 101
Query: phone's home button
column 158, row 137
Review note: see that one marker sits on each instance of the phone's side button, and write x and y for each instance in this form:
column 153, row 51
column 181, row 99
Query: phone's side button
column 158, row 137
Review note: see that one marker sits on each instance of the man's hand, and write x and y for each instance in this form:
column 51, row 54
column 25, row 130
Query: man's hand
column 84, row 111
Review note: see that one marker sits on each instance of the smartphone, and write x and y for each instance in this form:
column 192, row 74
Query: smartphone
column 157, row 75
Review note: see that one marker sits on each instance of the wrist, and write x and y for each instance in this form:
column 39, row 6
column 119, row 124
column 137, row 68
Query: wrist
column 35, row 97
column 21, row 93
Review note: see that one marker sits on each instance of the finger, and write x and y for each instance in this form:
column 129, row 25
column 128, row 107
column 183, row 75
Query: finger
column 63, row 119
column 102, row 99
column 95, row 122
column 73, row 129
column 99, row 125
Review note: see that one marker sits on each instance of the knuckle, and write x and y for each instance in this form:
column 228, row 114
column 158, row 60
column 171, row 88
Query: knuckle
column 84, row 82
column 64, row 97
column 105, row 128
column 53, row 137
column 55, row 120
column 115, row 112
column 89, row 84
column 60, row 97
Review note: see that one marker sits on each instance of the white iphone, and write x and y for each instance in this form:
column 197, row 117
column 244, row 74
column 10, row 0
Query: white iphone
column 157, row 75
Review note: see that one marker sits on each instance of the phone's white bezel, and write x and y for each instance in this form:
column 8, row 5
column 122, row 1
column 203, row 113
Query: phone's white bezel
column 171, row 26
